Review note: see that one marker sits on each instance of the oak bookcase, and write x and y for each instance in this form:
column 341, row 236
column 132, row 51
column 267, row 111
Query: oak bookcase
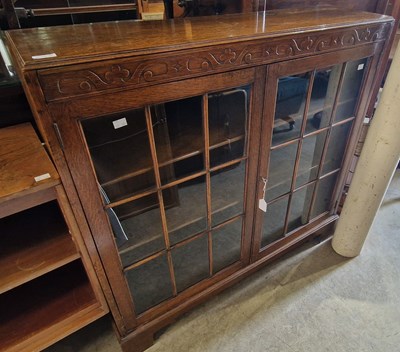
column 172, row 138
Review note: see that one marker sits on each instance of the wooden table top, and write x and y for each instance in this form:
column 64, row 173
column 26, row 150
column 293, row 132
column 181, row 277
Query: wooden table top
column 64, row 45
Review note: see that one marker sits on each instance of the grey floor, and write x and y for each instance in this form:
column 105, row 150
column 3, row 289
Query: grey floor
column 311, row 300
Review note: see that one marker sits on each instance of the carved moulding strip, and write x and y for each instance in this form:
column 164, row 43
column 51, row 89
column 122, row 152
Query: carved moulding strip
column 138, row 72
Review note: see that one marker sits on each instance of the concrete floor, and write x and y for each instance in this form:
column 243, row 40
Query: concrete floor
column 312, row 300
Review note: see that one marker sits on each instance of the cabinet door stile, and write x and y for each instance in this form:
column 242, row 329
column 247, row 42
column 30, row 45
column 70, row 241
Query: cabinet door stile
column 266, row 125
column 253, row 147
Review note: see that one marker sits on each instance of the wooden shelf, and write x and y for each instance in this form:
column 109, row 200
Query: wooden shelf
column 42, row 307
column 33, row 242
column 45, row 293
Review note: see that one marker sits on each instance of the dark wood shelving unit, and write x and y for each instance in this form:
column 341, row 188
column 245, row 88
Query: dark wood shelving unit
column 43, row 307
column 47, row 286
column 34, row 242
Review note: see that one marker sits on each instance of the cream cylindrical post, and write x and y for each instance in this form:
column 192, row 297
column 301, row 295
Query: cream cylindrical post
column 375, row 168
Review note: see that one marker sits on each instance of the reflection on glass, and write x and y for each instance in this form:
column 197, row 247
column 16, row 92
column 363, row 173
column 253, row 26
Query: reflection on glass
column 336, row 147
column 274, row 221
column 300, row 207
column 150, row 283
column 227, row 192
column 191, row 263
column 352, row 81
column 181, row 169
column 187, row 215
column 226, row 153
column 310, row 158
column 141, row 222
column 323, row 95
column 120, row 150
column 173, row 126
column 226, row 245
column 325, row 190
column 290, row 102
column 227, row 113
column 280, row 172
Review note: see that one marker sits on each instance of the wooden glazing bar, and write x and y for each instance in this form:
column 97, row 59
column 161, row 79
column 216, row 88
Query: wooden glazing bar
column 183, row 179
column 51, row 11
column 313, row 133
column 188, row 240
column 330, row 173
column 227, row 222
column 343, row 121
column 169, row 162
column 285, row 144
column 327, row 139
column 299, row 148
column 160, row 196
column 126, row 176
column 163, row 187
column 130, row 199
column 229, row 163
column 228, row 141
column 206, row 135
column 144, row 261
column 304, row 186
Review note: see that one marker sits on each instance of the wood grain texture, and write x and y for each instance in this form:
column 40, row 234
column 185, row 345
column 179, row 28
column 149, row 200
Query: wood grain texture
column 105, row 69
column 178, row 65
column 91, row 42
column 22, row 158
column 34, row 242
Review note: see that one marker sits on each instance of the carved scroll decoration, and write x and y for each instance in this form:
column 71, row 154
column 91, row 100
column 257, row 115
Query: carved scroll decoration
column 222, row 58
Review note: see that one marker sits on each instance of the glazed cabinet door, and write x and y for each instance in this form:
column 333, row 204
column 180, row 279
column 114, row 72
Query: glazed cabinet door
column 162, row 173
column 314, row 108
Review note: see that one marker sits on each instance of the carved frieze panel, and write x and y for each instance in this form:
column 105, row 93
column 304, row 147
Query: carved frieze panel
column 136, row 72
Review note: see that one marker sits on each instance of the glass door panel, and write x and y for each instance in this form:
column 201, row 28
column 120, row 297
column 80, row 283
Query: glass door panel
column 351, row 86
column 310, row 158
column 305, row 159
column 227, row 114
column 324, row 91
column 290, row 102
column 336, row 147
column 142, row 229
column 172, row 177
column 188, row 215
column 226, row 244
column 180, row 152
column 323, row 195
column 227, row 192
column 300, row 207
column 129, row 171
column 274, row 221
column 191, row 262
column 281, row 166
column 150, row 283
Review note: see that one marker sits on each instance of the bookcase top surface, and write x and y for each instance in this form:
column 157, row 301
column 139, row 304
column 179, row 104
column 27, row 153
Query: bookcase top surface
column 64, row 45
column 24, row 163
